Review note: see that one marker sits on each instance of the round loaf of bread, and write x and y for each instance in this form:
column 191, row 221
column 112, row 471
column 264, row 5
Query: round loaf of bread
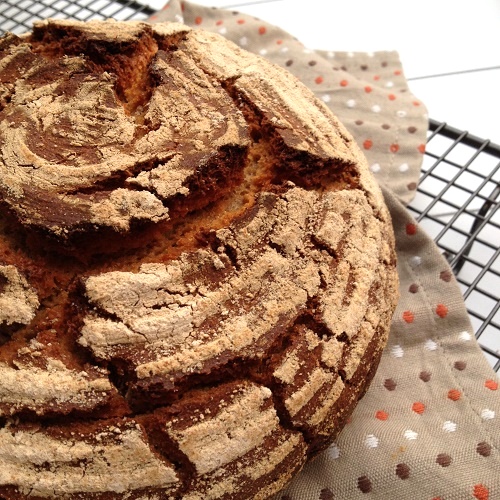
column 197, row 270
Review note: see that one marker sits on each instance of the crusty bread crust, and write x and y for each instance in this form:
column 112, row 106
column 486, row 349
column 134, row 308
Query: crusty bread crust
column 197, row 270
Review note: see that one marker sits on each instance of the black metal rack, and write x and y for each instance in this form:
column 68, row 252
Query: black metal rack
column 17, row 16
column 457, row 198
column 457, row 203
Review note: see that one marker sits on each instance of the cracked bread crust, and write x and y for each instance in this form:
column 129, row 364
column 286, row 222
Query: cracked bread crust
column 197, row 270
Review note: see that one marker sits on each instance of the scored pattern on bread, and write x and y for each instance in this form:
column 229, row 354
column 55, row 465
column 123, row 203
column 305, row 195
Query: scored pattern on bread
column 198, row 269
column 54, row 461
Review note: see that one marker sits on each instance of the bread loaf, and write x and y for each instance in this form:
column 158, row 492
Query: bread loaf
column 197, row 270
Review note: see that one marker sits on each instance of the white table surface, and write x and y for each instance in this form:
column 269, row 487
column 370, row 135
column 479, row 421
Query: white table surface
column 450, row 49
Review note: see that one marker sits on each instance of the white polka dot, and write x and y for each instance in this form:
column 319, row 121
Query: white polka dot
column 371, row 441
column 376, row 108
column 283, row 50
column 263, row 52
column 404, row 167
column 370, row 54
column 487, row 414
column 326, row 98
column 350, row 54
column 401, row 113
column 375, row 168
column 330, row 54
column 243, row 41
column 307, row 51
column 223, row 31
column 389, row 85
column 334, row 451
column 351, row 103
column 397, row 351
column 179, row 18
column 464, row 336
column 430, row 345
column 410, row 435
column 449, row 426
column 415, row 261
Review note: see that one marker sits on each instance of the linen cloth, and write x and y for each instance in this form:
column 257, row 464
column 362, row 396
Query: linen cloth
column 429, row 426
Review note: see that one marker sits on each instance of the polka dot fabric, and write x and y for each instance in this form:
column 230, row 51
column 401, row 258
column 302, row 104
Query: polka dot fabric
column 429, row 426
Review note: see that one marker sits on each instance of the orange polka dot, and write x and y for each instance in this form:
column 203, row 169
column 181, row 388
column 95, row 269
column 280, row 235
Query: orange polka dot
column 240, row 21
column 381, row 415
column 481, row 492
column 262, row 30
column 491, row 384
column 219, row 22
column 198, row 20
column 394, row 148
column 409, row 317
column 454, row 394
column 391, row 97
column 421, row 148
column 416, row 103
column 418, row 407
column 397, row 72
column 368, row 144
column 441, row 310
column 368, row 89
column 318, row 79
column 411, row 229
column 153, row 17
column 376, row 77
column 344, row 83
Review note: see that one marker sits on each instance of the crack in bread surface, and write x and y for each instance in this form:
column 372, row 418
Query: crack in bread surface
column 220, row 263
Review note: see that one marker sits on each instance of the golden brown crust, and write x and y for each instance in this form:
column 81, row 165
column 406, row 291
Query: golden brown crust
column 197, row 271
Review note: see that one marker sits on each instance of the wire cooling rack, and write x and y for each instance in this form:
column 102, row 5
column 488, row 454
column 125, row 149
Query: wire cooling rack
column 457, row 198
column 457, row 204
column 17, row 16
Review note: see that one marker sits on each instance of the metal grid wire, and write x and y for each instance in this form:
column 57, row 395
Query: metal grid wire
column 457, row 198
column 457, row 204
column 17, row 16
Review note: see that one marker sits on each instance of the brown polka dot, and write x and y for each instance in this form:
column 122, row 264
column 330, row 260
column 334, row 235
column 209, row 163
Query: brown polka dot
column 343, row 68
column 364, row 484
column 364, row 67
column 446, row 275
column 413, row 288
column 312, row 63
column 386, row 126
column 383, row 64
column 412, row 186
column 359, row 122
column 326, row 494
column 425, row 376
column 289, row 62
column 402, row 471
column 460, row 365
column 443, row 459
column 484, row 449
column 412, row 130
column 389, row 384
